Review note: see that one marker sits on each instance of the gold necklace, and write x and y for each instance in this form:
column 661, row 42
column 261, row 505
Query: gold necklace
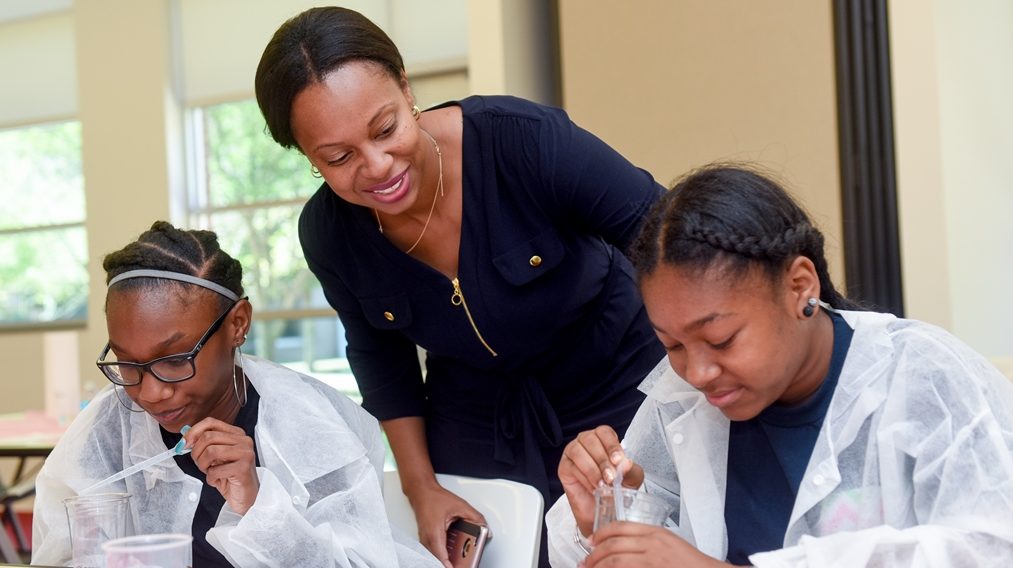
column 436, row 195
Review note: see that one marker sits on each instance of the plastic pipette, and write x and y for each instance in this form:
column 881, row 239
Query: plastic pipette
column 178, row 450
column 618, row 498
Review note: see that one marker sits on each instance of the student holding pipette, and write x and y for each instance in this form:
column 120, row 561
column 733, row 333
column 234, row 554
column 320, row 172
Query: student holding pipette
column 786, row 428
column 282, row 469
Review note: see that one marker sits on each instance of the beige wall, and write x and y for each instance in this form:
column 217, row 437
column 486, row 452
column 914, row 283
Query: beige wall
column 22, row 380
column 918, row 152
column 953, row 83
column 675, row 85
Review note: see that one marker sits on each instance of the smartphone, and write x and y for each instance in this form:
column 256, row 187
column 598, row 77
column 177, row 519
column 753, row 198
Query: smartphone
column 465, row 543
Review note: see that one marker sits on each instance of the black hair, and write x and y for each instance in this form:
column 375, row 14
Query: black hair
column 164, row 247
column 733, row 217
column 308, row 47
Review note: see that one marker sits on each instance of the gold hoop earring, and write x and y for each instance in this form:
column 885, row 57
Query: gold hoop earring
column 416, row 113
column 315, row 172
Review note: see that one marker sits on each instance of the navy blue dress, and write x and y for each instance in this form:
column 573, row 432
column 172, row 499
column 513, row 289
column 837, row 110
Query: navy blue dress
column 559, row 342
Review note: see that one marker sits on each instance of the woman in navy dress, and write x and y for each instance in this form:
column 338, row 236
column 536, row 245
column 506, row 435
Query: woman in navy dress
column 489, row 232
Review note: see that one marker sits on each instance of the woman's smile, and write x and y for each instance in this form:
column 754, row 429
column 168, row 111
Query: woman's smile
column 392, row 190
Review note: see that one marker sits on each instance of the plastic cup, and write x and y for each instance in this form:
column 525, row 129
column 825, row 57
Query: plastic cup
column 149, row 551
column 94, row 520
column 639, row 507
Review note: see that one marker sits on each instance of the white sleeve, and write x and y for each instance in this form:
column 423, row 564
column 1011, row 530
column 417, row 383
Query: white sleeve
column 50, row 534
column 921, row 546
column 564, row 552
column 341, row 529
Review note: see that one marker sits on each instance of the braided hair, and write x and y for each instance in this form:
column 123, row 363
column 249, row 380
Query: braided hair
column 164, row 247
column 731, row 214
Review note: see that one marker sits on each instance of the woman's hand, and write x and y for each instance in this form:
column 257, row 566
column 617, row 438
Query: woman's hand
column 620, row 544
column 590, row 460
column 435, row 508
column 225, row 454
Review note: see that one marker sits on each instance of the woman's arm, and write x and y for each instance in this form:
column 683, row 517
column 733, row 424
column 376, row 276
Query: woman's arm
column 593, row 186
column 435, row 507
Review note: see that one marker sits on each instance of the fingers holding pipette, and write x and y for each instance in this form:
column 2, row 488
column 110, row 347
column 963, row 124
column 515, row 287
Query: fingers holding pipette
column 594, row 457
column 590, row 460
column 226, row 456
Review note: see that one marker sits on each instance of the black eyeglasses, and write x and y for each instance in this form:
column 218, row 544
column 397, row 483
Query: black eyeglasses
column 169, row 369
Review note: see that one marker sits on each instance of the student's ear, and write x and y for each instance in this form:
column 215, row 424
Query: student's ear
column 801, row 282
column 239, row 321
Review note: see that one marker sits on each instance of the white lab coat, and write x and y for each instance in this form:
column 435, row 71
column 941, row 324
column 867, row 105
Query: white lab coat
column 320, row 501
column 912, row 466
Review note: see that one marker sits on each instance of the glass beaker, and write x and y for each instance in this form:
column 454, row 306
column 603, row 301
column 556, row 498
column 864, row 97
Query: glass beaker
column 638, row 506
column 149, row 551
column 93, row 520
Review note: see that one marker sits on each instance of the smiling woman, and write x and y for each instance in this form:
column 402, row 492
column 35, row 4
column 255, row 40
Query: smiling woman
column 488, row 231
column 254, row 488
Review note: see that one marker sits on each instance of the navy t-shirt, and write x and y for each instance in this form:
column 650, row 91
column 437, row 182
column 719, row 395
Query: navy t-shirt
column 211, row 501
column 767, row 457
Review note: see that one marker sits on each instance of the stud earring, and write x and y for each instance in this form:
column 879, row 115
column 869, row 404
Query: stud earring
column 315, row 172
column 810, row 308
column 416, row 113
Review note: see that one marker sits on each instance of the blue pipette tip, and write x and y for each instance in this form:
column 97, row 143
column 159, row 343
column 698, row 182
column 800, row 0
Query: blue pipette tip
column 180, row 447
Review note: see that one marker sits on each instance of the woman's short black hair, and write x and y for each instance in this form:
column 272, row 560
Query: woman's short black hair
column 733, row 215
column 308, row 47
column 164, row 247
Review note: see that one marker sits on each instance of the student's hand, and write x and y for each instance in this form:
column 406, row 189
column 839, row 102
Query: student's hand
column 590, row 460
column 435, row 508
column 225, row 454
column 619, row 544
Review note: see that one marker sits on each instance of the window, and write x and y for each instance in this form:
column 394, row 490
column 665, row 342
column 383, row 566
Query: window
column 250, row 190
column 43, row 253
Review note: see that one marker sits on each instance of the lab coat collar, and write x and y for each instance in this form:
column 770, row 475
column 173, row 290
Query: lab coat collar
column 698, row 443
column 860, row 392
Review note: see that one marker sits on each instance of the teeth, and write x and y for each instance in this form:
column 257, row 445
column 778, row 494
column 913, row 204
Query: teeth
column 390, row 189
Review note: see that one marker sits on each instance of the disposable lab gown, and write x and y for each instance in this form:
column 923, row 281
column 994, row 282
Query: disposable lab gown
column 912, row 466
column 320, row 501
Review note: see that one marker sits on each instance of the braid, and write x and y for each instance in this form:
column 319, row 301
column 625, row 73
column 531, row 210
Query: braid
column 735, row 215
column 164, row 247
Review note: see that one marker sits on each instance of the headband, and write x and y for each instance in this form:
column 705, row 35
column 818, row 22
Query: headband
column 167, row 275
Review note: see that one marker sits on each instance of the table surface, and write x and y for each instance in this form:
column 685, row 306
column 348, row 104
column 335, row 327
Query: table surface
column 28, row 434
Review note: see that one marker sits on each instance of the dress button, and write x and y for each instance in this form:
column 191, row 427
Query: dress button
column 818, row 480
column 389, row 316
column 295, row 500
column 535, row 261
column 677, row 438
column 192, row 497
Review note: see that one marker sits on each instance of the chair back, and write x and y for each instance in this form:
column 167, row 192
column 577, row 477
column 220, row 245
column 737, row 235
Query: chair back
column 513, row 510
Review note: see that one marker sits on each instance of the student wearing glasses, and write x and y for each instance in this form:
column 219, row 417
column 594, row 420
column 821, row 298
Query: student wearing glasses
column 257, row 487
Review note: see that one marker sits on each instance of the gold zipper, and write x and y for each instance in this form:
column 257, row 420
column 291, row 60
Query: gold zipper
column 457, row 298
